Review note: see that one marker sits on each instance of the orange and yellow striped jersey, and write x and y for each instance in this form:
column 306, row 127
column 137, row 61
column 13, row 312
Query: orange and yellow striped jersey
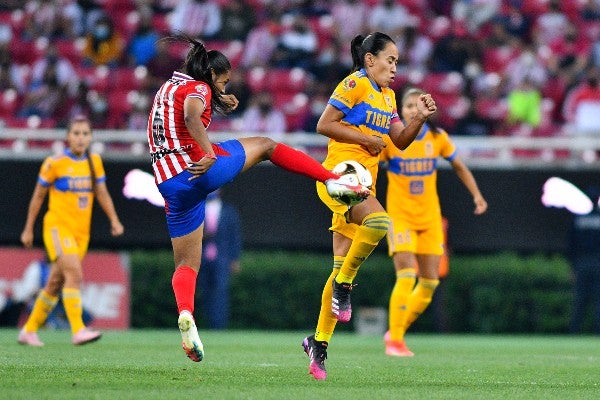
column 70, row 197
column 412, row 177
column 368, row 109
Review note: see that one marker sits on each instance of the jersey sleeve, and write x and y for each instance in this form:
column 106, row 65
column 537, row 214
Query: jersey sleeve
column 448, row 148
column 347, row 93
column 47, row 175
column 395, row 116
column 199, row 90
column 98, row 168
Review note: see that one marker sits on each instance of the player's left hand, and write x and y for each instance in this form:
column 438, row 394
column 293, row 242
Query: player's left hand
column 426, row 105
column 116, row 228
column 480, row 205
column 230, row 100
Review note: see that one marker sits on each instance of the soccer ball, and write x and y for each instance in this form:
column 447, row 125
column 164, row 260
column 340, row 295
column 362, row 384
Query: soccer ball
column 355, row 174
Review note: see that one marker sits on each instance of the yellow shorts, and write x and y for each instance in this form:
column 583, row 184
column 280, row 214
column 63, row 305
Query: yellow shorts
column 401, row 237
column 60, row 240
column 338, row 220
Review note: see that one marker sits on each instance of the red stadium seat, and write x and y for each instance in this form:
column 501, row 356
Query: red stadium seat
column 9, row 103
column 450, row 83
column 232, row 49
column 287, row 80
column 256, row 79
column 15, row 19
column 27, row 52
column 128, row 78
column 495, row 59
column 494, row 109
column 160, row 24
column 120, row 105
column 295, row 107
column 71, row 50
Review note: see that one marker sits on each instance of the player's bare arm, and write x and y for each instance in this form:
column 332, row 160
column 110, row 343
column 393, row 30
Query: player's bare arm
column 329, row 125
column 193, row 108
column 402, row 136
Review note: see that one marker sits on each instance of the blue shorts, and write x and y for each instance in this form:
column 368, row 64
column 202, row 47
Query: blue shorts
column 185, row 199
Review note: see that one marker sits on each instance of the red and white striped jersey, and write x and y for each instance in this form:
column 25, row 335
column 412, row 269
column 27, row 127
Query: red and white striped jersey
column 171, row 146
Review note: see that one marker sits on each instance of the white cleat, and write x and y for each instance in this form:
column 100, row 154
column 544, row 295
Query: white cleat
column 190, row 341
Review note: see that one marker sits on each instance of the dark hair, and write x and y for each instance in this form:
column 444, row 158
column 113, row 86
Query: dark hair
column 73, row 121
column 373, row 43
column 411, row 91
column 200, row 64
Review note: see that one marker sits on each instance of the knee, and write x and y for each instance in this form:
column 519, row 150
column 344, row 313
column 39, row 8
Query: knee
column 268, row 145
column 378, row 223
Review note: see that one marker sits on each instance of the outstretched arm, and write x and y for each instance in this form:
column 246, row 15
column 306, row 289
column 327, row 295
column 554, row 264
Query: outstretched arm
column 468, row 180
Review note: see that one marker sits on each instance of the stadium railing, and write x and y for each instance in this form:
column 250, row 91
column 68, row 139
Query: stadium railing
column 569, row 152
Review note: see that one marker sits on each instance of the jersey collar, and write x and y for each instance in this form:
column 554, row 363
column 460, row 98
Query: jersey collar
column 72, row 156
column 375, row 86
column 181, row 75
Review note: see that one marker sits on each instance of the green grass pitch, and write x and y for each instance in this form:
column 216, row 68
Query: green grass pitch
column 149, row 364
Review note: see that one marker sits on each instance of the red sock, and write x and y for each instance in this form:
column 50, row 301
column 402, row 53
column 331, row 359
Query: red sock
column 301, row 163
column 184, row 287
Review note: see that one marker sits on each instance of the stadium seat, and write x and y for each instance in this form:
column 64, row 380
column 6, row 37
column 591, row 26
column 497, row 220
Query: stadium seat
column 495, row 59
column 15, row 19
column 323, row 28
column 160, row 24
column 71, row 49
column 232, row 49
column 27, row 52
column 444, row 83
column 256, row 79
column 126, row 23
column 128, row 78
column 289, row 80
column 9, row 103
column 493, row 109
column 295, row 107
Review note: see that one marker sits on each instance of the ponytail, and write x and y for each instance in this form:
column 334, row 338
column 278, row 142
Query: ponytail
column 200, row 65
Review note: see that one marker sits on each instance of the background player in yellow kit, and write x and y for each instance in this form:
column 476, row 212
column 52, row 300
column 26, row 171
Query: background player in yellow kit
column 416, row 233
column 360, row 113
column 71, row 180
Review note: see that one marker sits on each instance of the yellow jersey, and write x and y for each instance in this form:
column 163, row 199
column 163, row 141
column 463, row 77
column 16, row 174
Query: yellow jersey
column 412, row 177
column 70, row 196
column 368, row 109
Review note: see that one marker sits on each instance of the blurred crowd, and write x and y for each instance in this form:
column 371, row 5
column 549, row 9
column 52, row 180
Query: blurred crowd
column 512, row 67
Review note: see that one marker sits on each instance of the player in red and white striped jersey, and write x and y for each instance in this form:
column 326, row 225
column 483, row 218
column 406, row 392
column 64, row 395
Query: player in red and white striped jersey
column 187, row 166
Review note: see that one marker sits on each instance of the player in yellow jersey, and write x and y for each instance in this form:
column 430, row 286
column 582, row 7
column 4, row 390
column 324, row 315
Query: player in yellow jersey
column 360, row 113
column 71, row 180
column 416, row 234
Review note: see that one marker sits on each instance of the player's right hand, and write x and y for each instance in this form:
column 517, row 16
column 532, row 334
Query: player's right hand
column 374, row 145
column 198, row 168
column 27, row 238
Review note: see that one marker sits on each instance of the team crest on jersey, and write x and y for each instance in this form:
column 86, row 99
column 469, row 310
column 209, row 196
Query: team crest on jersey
column 429, row 148
column 201, row 89
column 349, row 83
column 388, row 101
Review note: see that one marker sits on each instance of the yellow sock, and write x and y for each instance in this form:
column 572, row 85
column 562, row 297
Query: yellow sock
column 44, row 304
column 373, row 228
column 72, row 302
column 405, row 282
column 418, row 300
column 327, row 319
